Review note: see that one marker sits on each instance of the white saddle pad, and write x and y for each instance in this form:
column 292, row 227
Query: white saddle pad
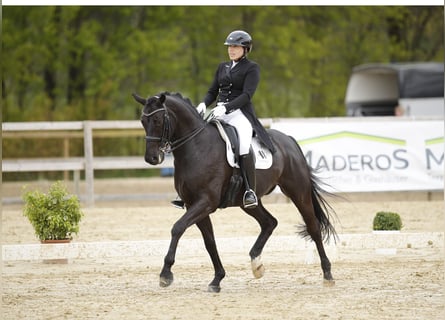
column 263, row 156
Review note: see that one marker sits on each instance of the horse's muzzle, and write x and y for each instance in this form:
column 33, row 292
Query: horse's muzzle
column 154, row 159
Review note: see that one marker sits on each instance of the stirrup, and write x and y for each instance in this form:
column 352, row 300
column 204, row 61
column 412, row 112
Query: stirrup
column 252, row 202
column 178, row 204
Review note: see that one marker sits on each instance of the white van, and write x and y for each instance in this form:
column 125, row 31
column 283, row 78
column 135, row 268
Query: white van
column 409, row 89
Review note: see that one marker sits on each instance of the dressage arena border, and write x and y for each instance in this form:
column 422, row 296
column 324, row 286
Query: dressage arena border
column 302, row 251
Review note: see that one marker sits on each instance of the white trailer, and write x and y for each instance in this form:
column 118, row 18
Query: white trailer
column 388, row 89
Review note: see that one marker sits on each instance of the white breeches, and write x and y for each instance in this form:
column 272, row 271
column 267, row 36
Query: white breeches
column 243, row 127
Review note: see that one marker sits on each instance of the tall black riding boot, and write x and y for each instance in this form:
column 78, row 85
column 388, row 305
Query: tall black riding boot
column 247, row 166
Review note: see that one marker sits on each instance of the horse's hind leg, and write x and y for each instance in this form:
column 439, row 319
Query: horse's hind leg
column 206, row 228
column 307, row 210
column 267, row 223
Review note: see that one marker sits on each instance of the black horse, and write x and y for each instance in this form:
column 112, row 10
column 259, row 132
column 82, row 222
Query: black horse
column 202, row 177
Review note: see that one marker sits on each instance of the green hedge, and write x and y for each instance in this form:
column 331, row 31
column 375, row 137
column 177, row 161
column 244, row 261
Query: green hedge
column 387, row 221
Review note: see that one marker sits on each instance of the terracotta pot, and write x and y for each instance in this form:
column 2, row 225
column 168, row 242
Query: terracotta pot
column 55, row 261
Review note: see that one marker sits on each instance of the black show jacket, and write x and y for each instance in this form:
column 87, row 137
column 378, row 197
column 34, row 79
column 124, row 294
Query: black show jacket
column 236, row 87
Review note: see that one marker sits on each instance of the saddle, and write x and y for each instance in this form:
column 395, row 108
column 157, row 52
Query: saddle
column 262, row 155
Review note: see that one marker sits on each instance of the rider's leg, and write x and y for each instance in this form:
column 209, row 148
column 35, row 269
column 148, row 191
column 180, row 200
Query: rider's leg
column 247, row 166
column 178, row 203
column 246, row 162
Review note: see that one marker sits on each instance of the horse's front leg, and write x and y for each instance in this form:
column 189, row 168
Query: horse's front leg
column 166, row 276
column 192, row 216
column 206, row 228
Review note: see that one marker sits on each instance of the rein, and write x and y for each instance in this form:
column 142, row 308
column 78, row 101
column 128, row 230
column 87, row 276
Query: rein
column 168, row 146
column 181, row 141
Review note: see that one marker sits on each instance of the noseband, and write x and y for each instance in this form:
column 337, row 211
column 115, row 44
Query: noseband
column 166, row 145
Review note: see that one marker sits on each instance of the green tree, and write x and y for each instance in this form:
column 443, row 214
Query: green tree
column 78, row 63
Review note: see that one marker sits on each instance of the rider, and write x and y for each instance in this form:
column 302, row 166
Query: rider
column 233, row 87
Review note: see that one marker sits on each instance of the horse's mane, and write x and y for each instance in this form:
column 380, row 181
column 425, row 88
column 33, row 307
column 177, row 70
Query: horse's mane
column 177, row 96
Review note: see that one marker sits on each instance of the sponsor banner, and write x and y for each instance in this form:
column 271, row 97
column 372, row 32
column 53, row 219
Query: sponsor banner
column 361, row 156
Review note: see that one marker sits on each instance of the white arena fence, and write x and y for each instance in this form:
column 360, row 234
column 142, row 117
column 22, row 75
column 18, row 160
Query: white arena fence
column 363, row 246
column 352, row 154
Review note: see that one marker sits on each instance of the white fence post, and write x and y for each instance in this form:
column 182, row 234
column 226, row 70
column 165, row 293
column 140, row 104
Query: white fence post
column 89, row 167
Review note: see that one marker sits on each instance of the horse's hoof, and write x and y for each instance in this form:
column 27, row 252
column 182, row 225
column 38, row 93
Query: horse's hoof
column 257, row 267
column 164, row 282
column 214, row 289
column 328, row 283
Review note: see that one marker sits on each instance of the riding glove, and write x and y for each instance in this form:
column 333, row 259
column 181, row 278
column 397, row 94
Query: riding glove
column 201, row 108
column 219, row 110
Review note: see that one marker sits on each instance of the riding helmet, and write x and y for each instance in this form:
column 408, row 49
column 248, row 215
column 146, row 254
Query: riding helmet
column 239, row 38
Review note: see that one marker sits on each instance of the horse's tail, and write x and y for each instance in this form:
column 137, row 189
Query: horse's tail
column 323, row 210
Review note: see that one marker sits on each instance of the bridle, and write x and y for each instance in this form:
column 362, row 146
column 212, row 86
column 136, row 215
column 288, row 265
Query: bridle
column 165, row 137
column 167, row 146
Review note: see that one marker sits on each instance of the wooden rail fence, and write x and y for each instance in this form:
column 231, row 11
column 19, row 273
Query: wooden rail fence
column 88, row 163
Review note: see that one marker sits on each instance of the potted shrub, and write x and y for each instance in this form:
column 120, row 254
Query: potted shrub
column 385, row 223
column 55, row 215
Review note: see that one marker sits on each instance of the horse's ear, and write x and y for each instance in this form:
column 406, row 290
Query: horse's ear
column 162, row 98
column 139, row 99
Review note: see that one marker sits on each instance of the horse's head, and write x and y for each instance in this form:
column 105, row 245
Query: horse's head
column 157, row 126
column 170, row 121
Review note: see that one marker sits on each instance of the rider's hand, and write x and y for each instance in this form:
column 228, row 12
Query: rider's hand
column 201, row 108
column 219, row 110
